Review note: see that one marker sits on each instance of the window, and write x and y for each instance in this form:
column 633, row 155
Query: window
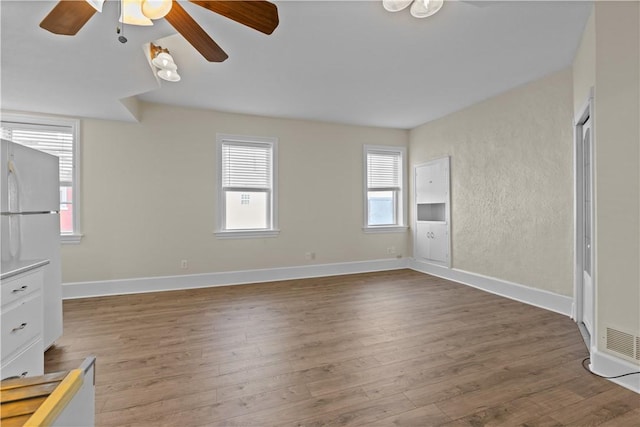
column 60, row 138
column 247, row 186
column 384, row 188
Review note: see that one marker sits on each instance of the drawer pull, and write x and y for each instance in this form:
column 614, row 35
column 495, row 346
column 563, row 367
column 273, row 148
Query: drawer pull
column 17, row 328
column 20, row 289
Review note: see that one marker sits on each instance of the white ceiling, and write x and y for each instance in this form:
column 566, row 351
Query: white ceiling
column 339, row 61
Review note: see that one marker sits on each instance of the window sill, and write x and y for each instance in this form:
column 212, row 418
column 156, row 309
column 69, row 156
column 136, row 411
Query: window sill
column 246, row 234
column 70, row 239
column 386, row 229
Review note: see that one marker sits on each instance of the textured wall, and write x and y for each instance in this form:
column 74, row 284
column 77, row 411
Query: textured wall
column 584, row 66
column 511, row 183
column 149, row 197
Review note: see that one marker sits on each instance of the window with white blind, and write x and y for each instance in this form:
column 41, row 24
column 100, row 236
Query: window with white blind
column 60, row 138
column 246, row 186
column 385, row 197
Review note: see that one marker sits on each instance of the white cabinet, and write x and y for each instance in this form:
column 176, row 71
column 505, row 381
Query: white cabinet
column 432, row 182
column 21, row 313
column 432, row 241
column 432, row 213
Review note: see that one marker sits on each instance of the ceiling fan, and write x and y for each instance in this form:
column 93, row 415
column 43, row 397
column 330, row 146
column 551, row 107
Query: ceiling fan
column 69, row 16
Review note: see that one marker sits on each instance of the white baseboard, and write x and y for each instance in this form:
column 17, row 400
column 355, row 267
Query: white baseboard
column 192, row 281
column 610, row 366
column 539, row 298
column 536, row 297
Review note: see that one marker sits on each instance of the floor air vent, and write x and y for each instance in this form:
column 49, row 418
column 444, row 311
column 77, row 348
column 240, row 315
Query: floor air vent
column 623, row 343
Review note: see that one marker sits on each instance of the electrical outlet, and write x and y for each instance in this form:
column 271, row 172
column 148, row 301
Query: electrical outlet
column 391, row 250
column 184, row 264
column 309, row 256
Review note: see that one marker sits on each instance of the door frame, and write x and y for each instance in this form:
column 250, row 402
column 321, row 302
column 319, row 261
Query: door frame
column 584, row 113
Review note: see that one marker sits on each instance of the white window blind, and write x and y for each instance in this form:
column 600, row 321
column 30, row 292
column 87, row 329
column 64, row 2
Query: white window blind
column 246, row 165
column 383, row 170
column 56, row 140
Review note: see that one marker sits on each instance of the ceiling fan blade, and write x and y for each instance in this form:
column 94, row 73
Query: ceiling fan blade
column 190, row 30
column 260, row 15
column 67, row 17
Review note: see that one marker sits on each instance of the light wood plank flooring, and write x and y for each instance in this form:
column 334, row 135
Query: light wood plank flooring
column 391, row 348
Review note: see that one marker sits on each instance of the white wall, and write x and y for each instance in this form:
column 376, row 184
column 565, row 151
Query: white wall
column 617, row 165
column 149, row 200
column 511, row 183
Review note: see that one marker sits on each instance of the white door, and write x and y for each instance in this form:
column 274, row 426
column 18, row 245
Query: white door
column 587, row 226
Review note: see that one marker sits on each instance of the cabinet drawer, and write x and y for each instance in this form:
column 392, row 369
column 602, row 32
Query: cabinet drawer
column 21, row 324
column 20, row 286
column 28, row 363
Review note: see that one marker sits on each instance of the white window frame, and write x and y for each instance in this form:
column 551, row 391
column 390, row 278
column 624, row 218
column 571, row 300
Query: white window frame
column 75, row 236
column 273, row 231
column 401, row 202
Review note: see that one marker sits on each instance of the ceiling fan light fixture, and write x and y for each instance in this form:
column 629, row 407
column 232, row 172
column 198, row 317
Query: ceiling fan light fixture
column 164, row 61
column 97, row 4
column 425, row 8
column 156, row 9
column 395, row 5
column 169, row 75
column 132, row 13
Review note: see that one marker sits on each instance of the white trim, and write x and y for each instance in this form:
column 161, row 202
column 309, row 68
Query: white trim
column 246, row 234
column 170, row 283
column 610, row 366
column 536, row 297
column 70, row 239
column 532, row 296
column 585, row 112
column 386, row 229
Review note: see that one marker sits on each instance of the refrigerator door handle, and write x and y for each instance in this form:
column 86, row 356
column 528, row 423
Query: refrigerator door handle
column 13, row 189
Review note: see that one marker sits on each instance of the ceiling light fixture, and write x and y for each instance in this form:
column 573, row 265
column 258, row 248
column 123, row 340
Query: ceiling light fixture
column 162, row 59
column 419, row 8
column 156, row 9
column 141, row 12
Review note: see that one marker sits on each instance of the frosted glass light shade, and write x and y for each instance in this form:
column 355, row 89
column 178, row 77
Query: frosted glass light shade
column 156, row 9
column 169, row 75
column 97, row 4
column 164, row 61
column 395, row 5
column 132, row 13
column 424, row 8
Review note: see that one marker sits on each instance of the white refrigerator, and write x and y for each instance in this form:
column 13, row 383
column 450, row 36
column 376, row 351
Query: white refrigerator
column 30, row 229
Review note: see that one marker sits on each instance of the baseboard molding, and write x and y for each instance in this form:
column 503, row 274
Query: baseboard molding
column 536, row 297
column 171, row 283
column 610, row 366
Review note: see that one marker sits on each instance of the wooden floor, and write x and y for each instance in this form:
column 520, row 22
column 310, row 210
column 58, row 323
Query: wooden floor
column 391, row 348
